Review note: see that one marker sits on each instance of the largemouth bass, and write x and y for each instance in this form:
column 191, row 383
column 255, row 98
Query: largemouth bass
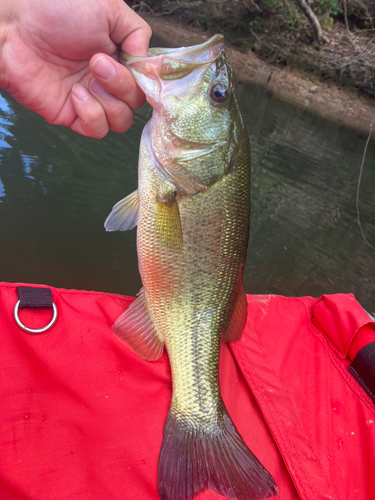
column 192, row 211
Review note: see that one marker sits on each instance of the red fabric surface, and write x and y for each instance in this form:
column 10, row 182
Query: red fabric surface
column 82, row 417
column 339, row 314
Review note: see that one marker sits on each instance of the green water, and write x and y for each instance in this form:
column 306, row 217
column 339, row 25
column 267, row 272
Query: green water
column 57, row 188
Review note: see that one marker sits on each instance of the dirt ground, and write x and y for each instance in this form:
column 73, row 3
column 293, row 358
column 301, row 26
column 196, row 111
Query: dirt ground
column 305, row 90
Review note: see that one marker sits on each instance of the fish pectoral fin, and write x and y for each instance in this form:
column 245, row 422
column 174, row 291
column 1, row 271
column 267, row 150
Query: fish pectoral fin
column 168, row 222
column 136, row 329
column 238, row 320
column 124, row 215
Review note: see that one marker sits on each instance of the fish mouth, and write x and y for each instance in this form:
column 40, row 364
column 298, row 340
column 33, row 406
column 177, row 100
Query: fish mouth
column 175, row 63
column 193, row 52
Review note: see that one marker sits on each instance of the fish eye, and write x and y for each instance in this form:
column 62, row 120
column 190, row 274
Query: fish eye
column 218, row 93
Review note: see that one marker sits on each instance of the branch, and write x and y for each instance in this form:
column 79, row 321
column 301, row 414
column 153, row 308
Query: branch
column 346, row 16
column 364, row 6
column 141, row 5
column 359, row 183
column 252, row 3
column 307, row 10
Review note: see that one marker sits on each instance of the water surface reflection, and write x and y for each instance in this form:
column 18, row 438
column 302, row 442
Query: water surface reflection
column 304, row 234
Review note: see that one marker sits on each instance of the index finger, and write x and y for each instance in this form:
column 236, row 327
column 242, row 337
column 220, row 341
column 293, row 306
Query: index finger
column 117, row 81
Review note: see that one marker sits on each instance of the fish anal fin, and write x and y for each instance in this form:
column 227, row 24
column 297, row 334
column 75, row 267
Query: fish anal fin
column 192, row 461
column 124, row 215
column 168, row 222
column 238, row 320
column 135, row 328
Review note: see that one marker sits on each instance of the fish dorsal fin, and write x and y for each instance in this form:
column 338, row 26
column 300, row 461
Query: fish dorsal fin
column 124, row 215
column 168, row 222
column 238, row 319
column 135, row 328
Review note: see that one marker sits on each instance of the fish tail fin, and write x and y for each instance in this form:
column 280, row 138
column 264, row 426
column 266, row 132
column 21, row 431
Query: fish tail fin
column 192, row 461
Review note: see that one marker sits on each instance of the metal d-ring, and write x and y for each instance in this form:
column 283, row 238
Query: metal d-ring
column 34, row 330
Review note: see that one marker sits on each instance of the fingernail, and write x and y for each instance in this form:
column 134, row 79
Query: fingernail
column 97, row 88
column 80, row 92
column 104, row 68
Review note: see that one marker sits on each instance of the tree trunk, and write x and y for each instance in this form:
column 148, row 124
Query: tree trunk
column 306, row 9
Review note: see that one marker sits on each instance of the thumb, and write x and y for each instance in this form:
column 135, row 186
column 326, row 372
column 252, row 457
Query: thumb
column 129, row 30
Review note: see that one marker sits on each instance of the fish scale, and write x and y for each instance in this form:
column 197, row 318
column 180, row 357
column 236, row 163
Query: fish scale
column 192, row 211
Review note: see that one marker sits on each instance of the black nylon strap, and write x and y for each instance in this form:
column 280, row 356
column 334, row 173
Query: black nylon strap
column 363, row 369
column 32, row 297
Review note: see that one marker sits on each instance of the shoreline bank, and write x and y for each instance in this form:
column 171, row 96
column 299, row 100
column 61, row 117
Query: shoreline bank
column 299, row 88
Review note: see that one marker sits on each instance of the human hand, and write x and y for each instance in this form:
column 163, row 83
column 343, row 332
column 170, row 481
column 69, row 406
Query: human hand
column 60, row 59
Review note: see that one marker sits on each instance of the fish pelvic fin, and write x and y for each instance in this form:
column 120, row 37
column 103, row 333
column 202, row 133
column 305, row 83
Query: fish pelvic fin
column 135, row 329
column 192, row 461
column 238, row 320
column 124, row 215
column 168, row 222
